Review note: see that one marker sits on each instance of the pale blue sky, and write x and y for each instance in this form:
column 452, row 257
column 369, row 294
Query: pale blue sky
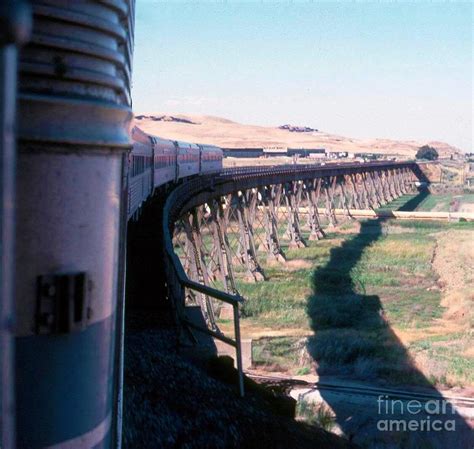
column 394, row 70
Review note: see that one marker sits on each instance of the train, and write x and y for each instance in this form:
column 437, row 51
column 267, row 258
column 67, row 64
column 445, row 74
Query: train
column 156, row 163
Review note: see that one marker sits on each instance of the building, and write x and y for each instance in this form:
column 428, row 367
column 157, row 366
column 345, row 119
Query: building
column 307, row 152
column 275, row 151
column 243, row 152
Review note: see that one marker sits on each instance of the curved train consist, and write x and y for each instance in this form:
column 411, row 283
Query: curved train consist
column 154, row 162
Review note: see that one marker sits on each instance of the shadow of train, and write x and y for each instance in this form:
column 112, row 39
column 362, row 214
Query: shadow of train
column 353, row 337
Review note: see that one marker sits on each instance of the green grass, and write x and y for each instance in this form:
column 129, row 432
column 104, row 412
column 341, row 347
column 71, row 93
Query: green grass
column 398, row 203
column 438, row 202
column 316, row 414
column 447, row 351
column 412, row 310
column 303, row 371
column 435, row 225
column 281, row 300
column 373, row 282
column 275, row 353
column 357, row 288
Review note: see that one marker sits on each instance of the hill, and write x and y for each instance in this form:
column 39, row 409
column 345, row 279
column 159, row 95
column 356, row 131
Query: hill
column 229, row 134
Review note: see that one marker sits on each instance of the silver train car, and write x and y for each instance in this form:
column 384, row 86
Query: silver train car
column 156, row 163
column 140, row 182
column 165, row 168
column 211, row 159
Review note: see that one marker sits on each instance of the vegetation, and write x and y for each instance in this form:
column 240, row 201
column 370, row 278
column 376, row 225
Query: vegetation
column 427, row 152
column 349, row 298
column 448, row 202
column 444, row 357
column 316, row 414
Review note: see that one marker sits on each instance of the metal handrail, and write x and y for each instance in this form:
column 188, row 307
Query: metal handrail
column 177, row 275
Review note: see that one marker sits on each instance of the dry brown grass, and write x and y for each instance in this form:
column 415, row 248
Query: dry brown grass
column 467, row 207
column 453, row 263
column 395, row 249
column 297, row 264
column 226, row 133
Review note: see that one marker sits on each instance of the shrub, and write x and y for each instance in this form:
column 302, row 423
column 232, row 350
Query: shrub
column 316, row 414
column 345, row 311
column 340, row 346
column 427, row 152
column 367, row 368
column 329, row 312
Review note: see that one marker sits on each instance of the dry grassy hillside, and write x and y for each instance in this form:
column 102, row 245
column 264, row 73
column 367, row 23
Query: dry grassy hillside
column 229, row 134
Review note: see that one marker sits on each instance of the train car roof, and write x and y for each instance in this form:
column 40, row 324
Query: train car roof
column 163, row 143
column 182, row 144
column 209, row 147
column 140, row 136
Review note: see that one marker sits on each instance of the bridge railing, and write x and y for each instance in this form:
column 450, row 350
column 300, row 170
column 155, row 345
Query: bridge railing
column 178, row 280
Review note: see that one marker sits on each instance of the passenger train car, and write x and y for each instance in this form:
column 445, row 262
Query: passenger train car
column 165, row 167
column 211, row 159
column 155, row 162
column 188, row 159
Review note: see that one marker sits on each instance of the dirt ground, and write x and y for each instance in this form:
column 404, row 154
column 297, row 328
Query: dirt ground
column 453, row 262
column 467, row 207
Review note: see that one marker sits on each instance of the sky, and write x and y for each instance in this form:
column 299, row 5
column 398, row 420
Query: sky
column 359, row 69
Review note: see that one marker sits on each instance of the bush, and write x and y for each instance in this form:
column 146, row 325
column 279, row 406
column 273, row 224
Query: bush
column 339, row 312
column 367, row 368
column 427, row 152
column 345, row 311
column 340, row 346
column 316, row 414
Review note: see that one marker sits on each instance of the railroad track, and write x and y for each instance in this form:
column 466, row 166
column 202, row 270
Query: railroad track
column 388, row 393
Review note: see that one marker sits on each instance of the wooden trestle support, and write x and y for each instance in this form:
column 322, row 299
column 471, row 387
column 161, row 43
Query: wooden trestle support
column 222, row 239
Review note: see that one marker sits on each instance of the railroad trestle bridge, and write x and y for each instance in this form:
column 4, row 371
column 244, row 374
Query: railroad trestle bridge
column 217, row 228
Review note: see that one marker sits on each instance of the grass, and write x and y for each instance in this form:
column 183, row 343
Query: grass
column 351, row 290
column 342, row 346
column 303, row 371
column 437, row 202
column 412, row 310
column 357, row 288
column 316, row 414
column 398, row 203
column 431, row 202
column 277, row 354
column 446, row 350
column 445, row 202
column 435, row 225
column 281, row 301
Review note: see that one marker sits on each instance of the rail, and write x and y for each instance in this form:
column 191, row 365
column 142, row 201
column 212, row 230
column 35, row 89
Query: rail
column 178, row 280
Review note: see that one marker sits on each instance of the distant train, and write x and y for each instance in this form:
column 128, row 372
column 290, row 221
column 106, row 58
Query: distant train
column 156, row 162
